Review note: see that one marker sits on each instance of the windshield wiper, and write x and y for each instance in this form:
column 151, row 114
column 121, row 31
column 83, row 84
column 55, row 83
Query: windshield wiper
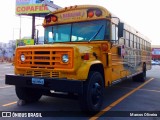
column 95, row 35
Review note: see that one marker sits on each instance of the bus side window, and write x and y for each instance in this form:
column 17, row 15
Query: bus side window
column 127, row 38
column 142, row 44
column 113, row 32
column 145, row 46
column 135, row 41
column 131, row 40
column 122, row 39
column 138, row 42
column 116, row 32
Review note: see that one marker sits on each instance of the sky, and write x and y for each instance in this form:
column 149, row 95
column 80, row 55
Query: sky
column 143, row 15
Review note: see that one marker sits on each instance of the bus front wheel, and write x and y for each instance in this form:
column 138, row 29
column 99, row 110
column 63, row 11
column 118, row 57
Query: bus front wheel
column 28, row 94
column 92, row 98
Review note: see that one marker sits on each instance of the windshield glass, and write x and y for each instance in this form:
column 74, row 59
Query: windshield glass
column 82, row 31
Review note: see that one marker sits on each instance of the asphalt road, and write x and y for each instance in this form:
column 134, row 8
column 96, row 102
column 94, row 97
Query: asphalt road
column 121, row 101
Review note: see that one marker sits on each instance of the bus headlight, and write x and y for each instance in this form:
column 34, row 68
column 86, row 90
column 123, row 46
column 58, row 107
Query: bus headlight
column 65, row 58
column 22, row 57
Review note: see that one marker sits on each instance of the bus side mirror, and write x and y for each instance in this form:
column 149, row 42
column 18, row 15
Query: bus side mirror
column 120, row 29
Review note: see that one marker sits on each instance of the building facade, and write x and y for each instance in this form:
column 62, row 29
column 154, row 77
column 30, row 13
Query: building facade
column 155, row 52
column 7, row 50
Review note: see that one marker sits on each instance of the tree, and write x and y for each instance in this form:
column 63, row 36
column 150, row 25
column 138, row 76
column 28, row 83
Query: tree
column 3, row 52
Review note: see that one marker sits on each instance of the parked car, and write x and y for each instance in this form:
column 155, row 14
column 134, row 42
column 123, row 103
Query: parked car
column 155, row 62
column 158, row 62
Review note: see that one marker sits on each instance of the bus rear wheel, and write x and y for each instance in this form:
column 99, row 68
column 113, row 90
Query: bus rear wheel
column 92, row 98
column 142, row 76
column 28, row 94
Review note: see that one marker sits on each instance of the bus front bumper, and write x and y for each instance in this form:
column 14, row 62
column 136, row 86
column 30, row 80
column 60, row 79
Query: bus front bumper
column 60, row 85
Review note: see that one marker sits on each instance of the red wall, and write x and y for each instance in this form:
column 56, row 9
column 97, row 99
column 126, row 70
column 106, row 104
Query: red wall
column 156, row 53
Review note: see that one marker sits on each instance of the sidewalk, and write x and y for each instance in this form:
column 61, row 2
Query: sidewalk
column 6, row 63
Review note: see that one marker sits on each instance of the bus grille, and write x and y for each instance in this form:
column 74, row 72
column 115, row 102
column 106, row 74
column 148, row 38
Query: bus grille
column 43, row 62
column 42, row 74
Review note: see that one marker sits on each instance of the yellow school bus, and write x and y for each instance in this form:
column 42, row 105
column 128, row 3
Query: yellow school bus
column 86, row 48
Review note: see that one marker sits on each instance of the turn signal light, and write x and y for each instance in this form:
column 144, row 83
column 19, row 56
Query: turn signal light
column 86, row 56
column 104, row 47
column 50, row 18
column 90, row 14
column 98, row 13
column 54, row 18
column 94, row 11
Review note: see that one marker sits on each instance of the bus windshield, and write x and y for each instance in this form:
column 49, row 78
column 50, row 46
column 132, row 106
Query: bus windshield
column 81, row 31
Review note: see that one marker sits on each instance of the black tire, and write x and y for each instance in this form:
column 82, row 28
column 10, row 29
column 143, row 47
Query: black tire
column 142, row 76
column 92, row 98
column 28, row 94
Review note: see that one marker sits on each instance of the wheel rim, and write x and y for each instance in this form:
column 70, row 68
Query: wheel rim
column 96, row 93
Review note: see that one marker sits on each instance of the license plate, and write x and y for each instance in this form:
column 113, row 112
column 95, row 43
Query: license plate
column 38, row 81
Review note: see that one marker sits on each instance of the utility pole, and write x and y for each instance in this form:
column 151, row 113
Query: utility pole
column 33, row 26
column 20, row 28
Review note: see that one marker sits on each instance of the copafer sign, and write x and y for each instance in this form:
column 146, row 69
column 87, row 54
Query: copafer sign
column 30, row 7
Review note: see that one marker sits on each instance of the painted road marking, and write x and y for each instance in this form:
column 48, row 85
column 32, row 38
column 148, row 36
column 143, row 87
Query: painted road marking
column 139, row 89
column 5, row 86
column 7, row 67
column 118, row 101
column 8, row 104
column 150, row 90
